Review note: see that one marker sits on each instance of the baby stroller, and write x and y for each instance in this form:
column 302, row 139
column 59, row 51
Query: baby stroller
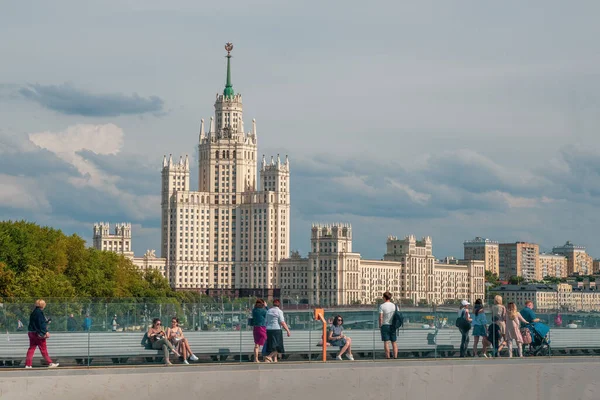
column 540, row 343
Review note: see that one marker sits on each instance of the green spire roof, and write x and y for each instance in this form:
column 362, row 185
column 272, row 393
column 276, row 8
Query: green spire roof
column 228, row 92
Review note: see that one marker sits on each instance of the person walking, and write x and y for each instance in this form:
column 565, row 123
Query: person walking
column 259, row 326
column 513, row 329
column 388, row 334
column 19, row 325
column 275, row 322
column 463, row 312
column 114, row 323
column 38, row 333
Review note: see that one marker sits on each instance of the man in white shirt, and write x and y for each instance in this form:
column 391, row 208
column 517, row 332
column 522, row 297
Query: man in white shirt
column 388, row 334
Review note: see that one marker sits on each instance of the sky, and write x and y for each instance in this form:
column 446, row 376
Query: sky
column 452, row 119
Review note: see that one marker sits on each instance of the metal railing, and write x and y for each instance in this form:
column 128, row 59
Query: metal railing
column 105, row 332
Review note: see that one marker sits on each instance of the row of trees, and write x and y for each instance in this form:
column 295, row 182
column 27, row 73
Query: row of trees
column 43, row 262
column 494, row 281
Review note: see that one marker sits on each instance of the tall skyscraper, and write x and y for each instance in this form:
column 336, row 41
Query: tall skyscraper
column 232, row 232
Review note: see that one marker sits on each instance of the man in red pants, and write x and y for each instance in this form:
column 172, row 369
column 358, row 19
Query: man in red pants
column 38, row 333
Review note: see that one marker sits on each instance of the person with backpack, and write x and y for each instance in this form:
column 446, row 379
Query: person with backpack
column 388, row 333
column 463, row 323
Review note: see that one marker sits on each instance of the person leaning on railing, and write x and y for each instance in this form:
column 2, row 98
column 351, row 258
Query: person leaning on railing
column 157, row 337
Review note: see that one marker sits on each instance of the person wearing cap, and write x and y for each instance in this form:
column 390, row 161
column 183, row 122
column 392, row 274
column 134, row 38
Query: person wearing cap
column 463, row 312
column 114, row 324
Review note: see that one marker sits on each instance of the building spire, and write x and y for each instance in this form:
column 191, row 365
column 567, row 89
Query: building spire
column 228, row 92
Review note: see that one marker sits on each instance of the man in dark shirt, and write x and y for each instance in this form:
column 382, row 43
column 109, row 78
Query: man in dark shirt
column 71, row 323
column 38, row 333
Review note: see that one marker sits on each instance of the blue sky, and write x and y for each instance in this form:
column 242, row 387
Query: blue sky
column 452, row 119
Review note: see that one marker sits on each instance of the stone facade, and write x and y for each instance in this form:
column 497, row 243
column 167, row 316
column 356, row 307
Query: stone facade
column 462, row 279
column 120, row 242
column 483, row 249
column 333, row 274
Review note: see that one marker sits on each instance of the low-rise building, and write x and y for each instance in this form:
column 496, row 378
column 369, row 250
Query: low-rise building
column 333, row 274
column 559, row 297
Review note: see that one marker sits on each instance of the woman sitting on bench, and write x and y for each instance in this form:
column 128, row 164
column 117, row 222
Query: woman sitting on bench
column 175, row 336
column 157, row 337
column 337, row 338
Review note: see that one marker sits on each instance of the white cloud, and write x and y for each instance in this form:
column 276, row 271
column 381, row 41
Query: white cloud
column 104, row 140
column 22, row 193
column 100, row 139
column 416, row 197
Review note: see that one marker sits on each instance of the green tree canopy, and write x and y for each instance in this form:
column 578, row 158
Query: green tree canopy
column 43, row 262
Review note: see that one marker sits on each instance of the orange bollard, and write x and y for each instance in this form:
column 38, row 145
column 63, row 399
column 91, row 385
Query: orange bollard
column 320, row 315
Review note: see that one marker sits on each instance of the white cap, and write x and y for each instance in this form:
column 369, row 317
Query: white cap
column 464, row 303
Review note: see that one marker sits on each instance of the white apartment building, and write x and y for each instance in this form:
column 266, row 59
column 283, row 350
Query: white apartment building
column 121, row 241
column 333, row 274
column 232, row 232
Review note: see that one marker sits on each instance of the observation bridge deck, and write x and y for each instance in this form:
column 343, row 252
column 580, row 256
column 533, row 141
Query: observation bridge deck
column 556, row 378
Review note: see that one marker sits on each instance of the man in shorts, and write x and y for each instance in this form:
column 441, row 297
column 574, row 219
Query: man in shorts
column 388, row 334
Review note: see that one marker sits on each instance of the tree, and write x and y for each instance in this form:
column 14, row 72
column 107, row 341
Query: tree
column 516, row 280
column 491, row 278
column 43, row 262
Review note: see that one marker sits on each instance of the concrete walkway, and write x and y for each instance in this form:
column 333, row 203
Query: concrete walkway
column 530, row 378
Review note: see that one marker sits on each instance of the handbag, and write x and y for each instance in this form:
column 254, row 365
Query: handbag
column 462, row 323
column 526, row 334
